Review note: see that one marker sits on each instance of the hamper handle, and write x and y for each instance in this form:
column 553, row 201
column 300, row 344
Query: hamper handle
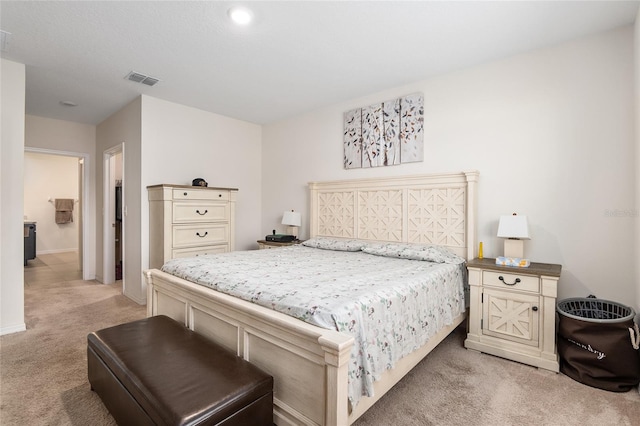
column 635, row 339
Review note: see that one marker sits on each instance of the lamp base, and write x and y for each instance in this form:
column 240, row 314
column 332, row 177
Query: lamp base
column 292, row 230
column 513, row 248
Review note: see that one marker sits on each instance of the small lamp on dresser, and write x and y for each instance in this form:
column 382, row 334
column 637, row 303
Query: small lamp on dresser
column 293, row 220
column 514, row 229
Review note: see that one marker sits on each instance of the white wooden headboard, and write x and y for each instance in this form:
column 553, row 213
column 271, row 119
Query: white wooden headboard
column 428, row 209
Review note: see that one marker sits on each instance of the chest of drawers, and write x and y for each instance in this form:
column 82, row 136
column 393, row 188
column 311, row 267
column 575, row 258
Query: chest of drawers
column 187, row 221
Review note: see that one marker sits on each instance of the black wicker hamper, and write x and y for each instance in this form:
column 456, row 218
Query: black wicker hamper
column 598, row 343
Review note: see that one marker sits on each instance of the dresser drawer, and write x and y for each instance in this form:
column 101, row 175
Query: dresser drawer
column 199, row 235
column 200, row 251
column 200, row 194
column 511, row 281
column 198, row 211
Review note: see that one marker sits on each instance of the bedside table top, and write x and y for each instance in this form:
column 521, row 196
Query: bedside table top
column 279, row 243
column 548, row 269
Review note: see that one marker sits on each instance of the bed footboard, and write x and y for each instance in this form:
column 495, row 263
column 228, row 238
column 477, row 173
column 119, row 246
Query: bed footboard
column 308, row 363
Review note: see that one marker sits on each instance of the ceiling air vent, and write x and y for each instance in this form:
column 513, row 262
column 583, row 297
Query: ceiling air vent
column 141, row 78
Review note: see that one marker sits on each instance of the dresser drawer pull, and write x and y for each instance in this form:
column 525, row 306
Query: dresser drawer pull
column 534, row 309
column 185, row 194
column 501, row 278
column 202, row 214
column 202, row 236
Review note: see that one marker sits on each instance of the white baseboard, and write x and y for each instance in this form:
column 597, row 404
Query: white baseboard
column 67, row 250
column 13, row 329
column 142, row 301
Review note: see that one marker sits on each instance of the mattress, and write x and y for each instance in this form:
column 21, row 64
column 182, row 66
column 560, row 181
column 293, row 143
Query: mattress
column 391, row 306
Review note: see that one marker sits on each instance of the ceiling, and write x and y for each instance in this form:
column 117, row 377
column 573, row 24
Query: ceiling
column 294, row 57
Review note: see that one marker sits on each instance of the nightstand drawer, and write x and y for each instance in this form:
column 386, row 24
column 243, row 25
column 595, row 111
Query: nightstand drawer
column 264, row 244
column 511, row 281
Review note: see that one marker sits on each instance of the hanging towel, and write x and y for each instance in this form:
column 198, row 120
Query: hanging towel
column 64, row 210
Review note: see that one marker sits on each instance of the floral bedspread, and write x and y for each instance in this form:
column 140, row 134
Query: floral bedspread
column 391, row 306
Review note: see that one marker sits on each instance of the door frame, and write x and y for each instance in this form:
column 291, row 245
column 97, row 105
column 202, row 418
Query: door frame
column 84, row 199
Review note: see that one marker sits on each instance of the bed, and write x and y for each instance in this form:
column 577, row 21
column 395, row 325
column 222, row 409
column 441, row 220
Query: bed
column 311, row 363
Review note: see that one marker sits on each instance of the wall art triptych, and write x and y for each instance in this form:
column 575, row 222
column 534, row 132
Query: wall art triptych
column 385, row 134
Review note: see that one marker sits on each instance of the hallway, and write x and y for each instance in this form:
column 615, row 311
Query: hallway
column 52, row 268
column 44, row 369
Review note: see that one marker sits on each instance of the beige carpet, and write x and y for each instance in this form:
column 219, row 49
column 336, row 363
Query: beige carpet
column 43, row 371
column 455, row 386
column 43, row 375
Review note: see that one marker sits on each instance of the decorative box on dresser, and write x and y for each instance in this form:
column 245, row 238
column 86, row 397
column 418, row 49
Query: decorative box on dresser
column 512, row 311
column 189, row 221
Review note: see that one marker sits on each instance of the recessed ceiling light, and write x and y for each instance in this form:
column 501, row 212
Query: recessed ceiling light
column 240, row 15
column 68, row 103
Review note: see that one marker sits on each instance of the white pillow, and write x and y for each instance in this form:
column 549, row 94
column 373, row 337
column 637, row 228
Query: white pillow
column 429, row 253
column 334, row 244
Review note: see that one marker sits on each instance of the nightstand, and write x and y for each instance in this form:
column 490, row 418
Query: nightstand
column 264, row 244
column 512, row 311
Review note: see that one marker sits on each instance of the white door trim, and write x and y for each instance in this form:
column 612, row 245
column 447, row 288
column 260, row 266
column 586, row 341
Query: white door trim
column 108, row 215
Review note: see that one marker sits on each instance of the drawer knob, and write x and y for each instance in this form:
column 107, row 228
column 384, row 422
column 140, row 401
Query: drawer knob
column 202, row 236
column 185, row 194
column 501, row 278
column 220, row 195
column 202, row 214
column 534, row 309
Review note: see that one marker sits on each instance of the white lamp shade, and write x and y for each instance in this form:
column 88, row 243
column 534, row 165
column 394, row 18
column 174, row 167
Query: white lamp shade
column 291, row 218
column 514, row 226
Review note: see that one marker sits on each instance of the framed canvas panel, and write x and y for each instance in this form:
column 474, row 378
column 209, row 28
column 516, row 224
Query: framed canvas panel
column 372, row 139
column 391, row 122
column 412, row 132
column 385, row 134
column 352, row 139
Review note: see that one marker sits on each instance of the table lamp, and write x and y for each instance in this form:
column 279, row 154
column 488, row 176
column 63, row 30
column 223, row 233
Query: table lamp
column 514, row 229
column 293, row 220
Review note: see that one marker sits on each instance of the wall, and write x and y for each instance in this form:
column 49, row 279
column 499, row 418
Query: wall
column 182, row 143
column 75, row 140
column 551, row 133
column 47, row 177
column 12, row 103
column 123, row 127
column 171, row 143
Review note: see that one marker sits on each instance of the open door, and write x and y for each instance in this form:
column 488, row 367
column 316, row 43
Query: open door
column 113, row 217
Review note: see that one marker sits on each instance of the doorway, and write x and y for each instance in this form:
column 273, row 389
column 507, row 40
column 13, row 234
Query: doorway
column 49, row 177
column 114, row 215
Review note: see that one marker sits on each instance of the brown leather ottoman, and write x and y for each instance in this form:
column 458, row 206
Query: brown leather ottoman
column 157, row 372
